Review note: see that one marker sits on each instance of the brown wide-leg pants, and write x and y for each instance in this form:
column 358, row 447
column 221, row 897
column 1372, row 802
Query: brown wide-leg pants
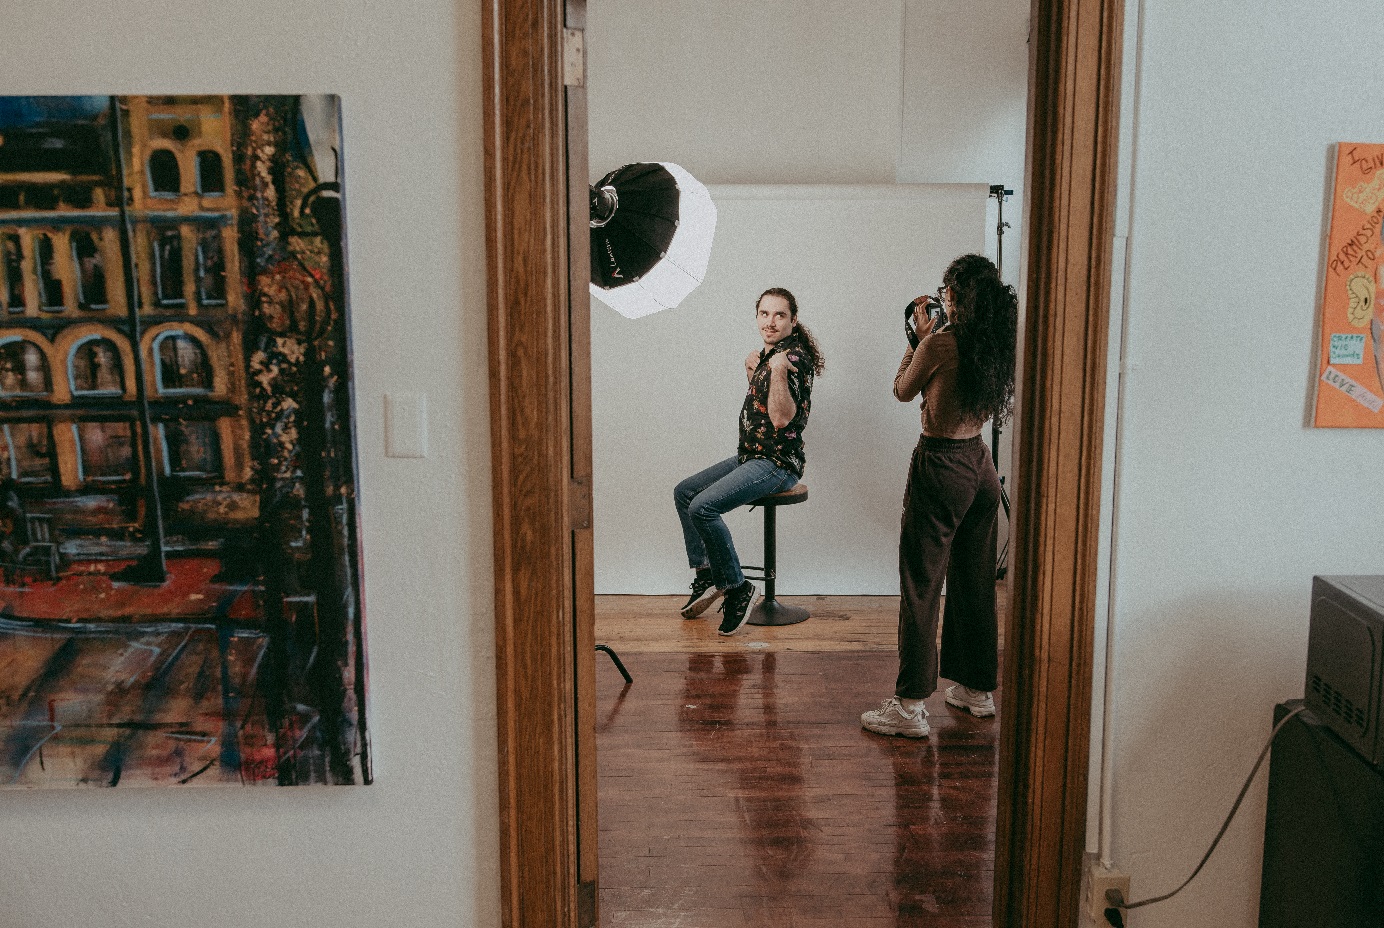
column 948, row 531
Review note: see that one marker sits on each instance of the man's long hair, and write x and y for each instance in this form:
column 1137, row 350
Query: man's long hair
column 814, row 351
column 986, row 328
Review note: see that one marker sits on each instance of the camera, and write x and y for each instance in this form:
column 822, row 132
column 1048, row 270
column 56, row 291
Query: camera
column 935, row 311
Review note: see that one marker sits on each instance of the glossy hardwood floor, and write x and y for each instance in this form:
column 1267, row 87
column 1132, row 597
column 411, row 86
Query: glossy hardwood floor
column 737, row 789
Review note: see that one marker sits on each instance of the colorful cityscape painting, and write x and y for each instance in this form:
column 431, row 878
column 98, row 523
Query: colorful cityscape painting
column 179, row 555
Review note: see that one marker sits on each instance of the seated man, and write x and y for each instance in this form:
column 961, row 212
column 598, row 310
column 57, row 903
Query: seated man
column 768, row 460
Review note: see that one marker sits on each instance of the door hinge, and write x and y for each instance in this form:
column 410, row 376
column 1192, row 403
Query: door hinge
column 580, row 500
column 573, row 58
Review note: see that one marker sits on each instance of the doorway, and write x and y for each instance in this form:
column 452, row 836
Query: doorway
column 542, row 504
column 850, row 152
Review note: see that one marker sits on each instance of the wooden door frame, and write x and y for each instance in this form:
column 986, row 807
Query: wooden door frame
column 1045, row 728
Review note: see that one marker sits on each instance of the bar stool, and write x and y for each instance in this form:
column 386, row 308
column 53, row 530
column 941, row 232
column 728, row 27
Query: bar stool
column 769, row 611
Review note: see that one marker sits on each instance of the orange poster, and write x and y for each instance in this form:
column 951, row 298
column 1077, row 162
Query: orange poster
column 1350, row 373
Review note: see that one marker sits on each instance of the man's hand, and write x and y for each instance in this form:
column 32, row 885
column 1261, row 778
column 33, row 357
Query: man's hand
column 779, row 363
column 751, row 362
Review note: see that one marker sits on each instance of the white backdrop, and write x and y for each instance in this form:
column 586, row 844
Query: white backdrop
column 667, row 388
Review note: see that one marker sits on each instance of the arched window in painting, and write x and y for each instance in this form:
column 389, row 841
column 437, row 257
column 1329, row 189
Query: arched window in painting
column 211, row 178
column 13, row 257
column 181, row 363
column 105, row 451
column 168, row 267
column 27, row 448
column 165, row 178
column 23, row 369
column 96, row 368
column 190, row 449
column 91, row 270
column 49, row 280
column 211, row 268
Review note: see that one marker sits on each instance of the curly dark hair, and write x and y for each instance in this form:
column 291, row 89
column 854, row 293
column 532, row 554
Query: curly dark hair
column 814, row 351
column 987, row 329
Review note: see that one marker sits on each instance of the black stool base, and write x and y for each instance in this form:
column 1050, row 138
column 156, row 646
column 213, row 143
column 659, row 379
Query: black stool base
column 773, row 612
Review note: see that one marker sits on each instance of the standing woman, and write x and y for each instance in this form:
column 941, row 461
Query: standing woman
column 963, row 367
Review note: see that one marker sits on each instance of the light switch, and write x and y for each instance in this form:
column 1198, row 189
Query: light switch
column 406, row 425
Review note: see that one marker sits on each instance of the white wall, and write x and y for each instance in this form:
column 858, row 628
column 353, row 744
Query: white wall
column 791, row 92
column 965, row 101
column 1227, row 504
column 667, row 388
column 775, row 91
column 420, row 846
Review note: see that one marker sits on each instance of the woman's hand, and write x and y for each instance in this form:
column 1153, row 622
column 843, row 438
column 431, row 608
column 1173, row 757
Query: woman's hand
column 923, row 321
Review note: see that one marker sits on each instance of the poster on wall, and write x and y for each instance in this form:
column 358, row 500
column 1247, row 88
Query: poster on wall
column 179, row 555
column 1350, row 383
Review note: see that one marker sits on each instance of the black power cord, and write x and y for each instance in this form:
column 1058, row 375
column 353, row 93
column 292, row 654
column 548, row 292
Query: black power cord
column 1115, row 903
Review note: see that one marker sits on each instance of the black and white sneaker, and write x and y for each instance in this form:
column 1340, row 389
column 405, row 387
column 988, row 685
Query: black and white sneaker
column 736, row 608
column 704, row 593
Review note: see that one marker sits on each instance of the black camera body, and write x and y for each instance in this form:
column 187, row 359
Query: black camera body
column 935, row 311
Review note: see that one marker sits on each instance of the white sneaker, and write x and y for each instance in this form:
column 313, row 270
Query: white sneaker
column 977, row 702
column 891, row 719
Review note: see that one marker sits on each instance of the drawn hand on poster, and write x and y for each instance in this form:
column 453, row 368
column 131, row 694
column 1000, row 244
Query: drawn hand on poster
column 1361, row 289
column 1366, row 195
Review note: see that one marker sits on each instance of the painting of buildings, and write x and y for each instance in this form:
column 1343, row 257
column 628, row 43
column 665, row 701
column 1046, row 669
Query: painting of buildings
column 179, row 563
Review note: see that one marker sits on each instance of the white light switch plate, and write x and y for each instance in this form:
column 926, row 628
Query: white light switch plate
column 406, row 425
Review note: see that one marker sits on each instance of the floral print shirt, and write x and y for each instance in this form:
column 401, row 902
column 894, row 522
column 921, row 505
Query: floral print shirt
column 758, row 437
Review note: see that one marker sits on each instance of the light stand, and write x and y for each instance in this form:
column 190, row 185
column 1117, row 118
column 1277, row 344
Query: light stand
column 1000, row 192
column 152, row 568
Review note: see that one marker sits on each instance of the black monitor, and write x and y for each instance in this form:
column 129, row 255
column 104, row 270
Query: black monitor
column 1345, row 660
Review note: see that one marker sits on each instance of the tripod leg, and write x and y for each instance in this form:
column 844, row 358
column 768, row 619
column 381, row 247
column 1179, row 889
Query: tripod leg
column 619, row 665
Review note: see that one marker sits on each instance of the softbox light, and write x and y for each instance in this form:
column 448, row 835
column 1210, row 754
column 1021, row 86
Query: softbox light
column 652, row 224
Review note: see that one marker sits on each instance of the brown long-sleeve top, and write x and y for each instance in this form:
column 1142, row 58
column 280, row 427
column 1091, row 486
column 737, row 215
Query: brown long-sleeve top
column 930, row 370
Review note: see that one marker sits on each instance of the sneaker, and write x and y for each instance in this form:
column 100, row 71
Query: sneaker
column 977, row 702
column 891, row 719
column 736, row 608
column 704, row 593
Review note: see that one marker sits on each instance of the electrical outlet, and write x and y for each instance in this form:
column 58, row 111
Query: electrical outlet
column 1099, row 879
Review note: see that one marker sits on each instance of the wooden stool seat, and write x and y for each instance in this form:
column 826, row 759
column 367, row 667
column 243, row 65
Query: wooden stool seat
column 787, row 498
column 769, row 611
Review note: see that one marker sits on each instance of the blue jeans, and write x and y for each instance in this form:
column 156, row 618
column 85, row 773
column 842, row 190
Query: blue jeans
column 704, row 497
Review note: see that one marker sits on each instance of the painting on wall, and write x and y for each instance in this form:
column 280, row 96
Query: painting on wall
column 179, row 554
column 1350, row 383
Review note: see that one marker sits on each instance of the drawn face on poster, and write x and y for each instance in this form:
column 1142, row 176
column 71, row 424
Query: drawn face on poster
column 178, row 554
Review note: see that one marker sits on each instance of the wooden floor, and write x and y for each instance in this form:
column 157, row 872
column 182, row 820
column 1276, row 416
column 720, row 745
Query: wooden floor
column 838, row 623
column 737, row 789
